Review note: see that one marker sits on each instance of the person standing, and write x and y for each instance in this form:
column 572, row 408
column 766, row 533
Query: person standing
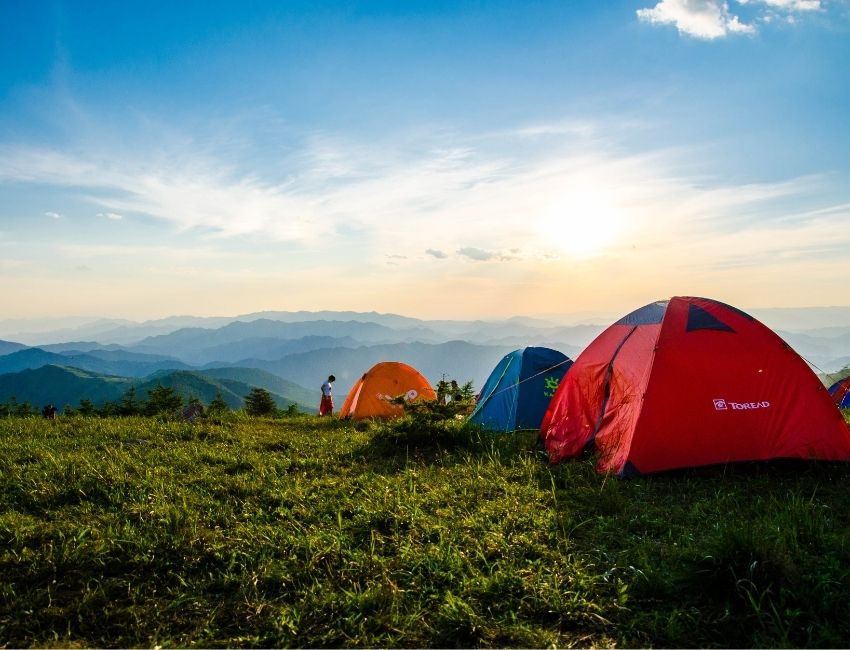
column 326, row 406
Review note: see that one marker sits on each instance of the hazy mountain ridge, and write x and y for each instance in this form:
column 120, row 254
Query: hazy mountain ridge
column 459, row 360
column 262, row 379
column 106, row 362
column 62, row 385
column 41, row 332
column 268, row 348
column 187, row 342
column 826, row 353
column 8, row 347
column 304, row 347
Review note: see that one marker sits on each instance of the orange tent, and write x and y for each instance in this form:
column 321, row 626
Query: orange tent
column 370, row 396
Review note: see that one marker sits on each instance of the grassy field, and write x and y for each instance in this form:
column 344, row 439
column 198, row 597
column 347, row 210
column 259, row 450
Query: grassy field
column 308, row 532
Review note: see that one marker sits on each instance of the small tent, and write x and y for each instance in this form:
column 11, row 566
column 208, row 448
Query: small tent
column 690, row 382
column 371, row 394
column 840, row 392
column 519, row 389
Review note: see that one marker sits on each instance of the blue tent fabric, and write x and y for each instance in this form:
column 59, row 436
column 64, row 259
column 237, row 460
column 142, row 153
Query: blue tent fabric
column 842, row 387
column 517, row 392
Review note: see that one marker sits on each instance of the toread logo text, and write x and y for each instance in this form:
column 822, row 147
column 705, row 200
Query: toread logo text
column 726, row 405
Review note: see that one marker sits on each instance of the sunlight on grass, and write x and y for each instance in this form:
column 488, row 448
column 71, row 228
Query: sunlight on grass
column 309, row 532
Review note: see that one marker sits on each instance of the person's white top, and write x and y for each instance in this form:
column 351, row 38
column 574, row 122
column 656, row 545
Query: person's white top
column 326, row 389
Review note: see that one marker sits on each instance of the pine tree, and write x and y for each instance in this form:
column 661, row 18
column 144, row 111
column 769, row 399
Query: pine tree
column 218, row 405
column 87, row 408
column 129, row 405
column 162, row 399
column 259, row 402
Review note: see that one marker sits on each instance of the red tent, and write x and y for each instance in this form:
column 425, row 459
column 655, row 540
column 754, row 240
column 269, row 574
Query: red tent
column 688, row 382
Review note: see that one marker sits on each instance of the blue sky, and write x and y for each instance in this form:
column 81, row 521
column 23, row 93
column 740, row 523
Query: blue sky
column 452, row 160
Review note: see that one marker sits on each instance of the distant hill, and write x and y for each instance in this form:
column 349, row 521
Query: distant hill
column 66, row 385
column 187, row 343
column 124, row 332
column 76, row 347
column 205, row 387
column 32, row 358
column 107, row 362
column 456, row 360
column 38, row 332
column 263, row 348
column 263, row 379
column 7, row 347
column 826, row 353
column 802, row 318
column 60, row 385
column 274, row 340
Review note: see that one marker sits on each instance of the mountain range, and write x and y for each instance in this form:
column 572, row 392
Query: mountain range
column 285, row 351
column 61, row 385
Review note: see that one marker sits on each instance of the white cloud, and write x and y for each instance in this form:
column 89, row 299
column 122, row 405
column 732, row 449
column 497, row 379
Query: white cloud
column 545, row 201
column 110, row 215
column 53, row 215
column 705, row 19
column 712, row 19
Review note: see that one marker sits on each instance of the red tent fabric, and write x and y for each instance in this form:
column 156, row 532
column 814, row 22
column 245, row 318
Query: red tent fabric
column 690, row 382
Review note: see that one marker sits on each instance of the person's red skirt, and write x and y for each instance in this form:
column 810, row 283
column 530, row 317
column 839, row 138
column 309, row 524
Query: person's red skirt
column 327, row 405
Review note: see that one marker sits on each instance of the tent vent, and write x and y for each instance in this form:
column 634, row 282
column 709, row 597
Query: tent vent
column 700, row 319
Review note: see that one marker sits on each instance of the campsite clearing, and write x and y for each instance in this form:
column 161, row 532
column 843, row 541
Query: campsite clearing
column 308, row 532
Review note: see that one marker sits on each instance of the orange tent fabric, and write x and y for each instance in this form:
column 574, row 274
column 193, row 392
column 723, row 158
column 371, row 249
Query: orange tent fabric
column 370, row 396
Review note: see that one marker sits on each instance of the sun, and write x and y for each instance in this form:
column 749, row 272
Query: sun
column 581, row 223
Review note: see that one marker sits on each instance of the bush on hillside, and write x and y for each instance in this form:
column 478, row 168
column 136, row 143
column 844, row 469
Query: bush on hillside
column 451, row 403
column 260, row 402
column 163, row 400
column 218, row 406
column 13, row 407
column 434, row 422
column 129, row 404
column 87, row 408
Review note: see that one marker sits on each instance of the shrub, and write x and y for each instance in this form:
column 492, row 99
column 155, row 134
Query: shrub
column 129, row 404
column 259, row 402
column 163, row 400
column 218, row 406
column 87, row 408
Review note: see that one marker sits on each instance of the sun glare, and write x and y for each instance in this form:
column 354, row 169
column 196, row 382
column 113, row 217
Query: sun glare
column 581, row 224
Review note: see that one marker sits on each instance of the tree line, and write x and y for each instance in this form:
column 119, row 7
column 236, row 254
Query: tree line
column 161, row 401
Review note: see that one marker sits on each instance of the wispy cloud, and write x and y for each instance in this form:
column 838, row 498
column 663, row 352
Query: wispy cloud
column 788, row 5
column 110, row 215
column 572, row 195
column 53, row 215
column 480, row 255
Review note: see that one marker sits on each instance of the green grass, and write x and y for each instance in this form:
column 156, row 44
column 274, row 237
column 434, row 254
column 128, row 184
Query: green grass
column 309, row 532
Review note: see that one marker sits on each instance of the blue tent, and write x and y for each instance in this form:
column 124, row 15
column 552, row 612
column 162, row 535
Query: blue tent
column 517, row 392
column 840, row 392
